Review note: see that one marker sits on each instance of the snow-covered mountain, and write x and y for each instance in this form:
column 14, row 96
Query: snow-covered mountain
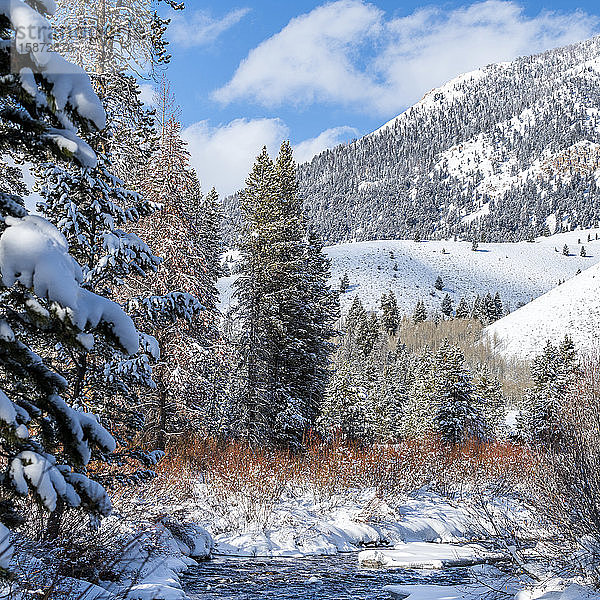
column 520, row 271
column 509, row 152
column 572, row 308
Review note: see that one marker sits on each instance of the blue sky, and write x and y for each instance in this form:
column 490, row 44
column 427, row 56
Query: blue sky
column 319, row 73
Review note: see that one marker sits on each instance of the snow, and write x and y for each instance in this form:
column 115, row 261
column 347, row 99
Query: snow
column 419, row 555
column 34, row 253
column 520, row 271
column 436, row 592
column 572, row 308
column 71, row 89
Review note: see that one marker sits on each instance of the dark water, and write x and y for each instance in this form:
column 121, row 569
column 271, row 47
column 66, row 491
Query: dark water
column 339, row 577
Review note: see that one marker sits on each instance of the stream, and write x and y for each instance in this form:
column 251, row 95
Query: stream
column 336, row 577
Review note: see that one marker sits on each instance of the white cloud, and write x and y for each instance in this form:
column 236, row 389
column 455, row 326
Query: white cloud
column 347, row 52
column 223, row 156
column 330, row 138
column 199, row 28
column 147, row 95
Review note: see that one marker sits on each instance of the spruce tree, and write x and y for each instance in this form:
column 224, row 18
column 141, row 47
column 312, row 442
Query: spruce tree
column 285, row 310
column 439, row 283
column 457, row 417
column 47, row 442
column 390, row 319
column 447, row 307
column 344, row 283
column 565, row 250
column 462, row 310
column 420, row 313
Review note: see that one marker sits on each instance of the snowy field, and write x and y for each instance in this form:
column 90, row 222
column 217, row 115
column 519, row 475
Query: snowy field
column 520, row 271
column 572, row 308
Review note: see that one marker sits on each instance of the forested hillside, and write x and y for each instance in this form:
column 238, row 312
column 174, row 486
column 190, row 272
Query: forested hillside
column 505, row 153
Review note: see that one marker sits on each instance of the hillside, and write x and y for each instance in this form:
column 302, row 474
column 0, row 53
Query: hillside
column 572, row 308
column 509, row 152
column 520, row 271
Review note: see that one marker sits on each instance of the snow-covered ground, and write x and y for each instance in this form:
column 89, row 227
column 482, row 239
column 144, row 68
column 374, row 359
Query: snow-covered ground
column 520, row 271
column 572, row 308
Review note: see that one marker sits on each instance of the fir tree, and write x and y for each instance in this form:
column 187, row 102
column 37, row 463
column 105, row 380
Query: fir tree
column 285, row 309
column 48, row 442
column 447, row 307
column 344, row 283
column 583, row 252
column 565, row 250
column 457, row 416
column 420, row 313
column 439, row 283
column 462, row 310
column 390, row 318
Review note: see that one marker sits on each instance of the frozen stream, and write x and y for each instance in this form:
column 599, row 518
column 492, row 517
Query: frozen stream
column 320, row 578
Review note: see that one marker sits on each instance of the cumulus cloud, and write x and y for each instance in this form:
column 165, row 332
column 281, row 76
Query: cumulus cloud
column 347, row 52
column 329, row 138
column 223, row 156
column 199, row 28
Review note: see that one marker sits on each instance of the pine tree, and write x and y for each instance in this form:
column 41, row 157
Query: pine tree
column 344, row 283
column 285, row 310
column 499, row 307
column 447, row 307
column 390, row 319
column 457, row 417
column 47, row 442
column 439, row 283
column 553, row 373
column 565, row 250
column 420, row 313
column 462, row 310
column 488, row 394
column 583, row 252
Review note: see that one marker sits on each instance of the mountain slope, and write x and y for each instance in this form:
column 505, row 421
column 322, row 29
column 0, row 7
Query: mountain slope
column 519, row 271
column 510, row 151
column 572, row 308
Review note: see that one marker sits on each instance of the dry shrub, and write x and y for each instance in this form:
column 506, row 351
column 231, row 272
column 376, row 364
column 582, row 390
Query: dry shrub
column 467, row 335
column 243, row 486
column 569, row 488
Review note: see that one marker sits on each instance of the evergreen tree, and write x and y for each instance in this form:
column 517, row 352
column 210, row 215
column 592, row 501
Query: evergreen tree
column 439, row 283
column 420, row 313
column 47, row 442
column 447, row 307
column 344, row 283
column 390, row 319
column 285, row 310
column 499, row 307
column 583, row 252
column 565, row 250
column 457, row 416
column 462, row 310
column 553, row 373
column 487, row 392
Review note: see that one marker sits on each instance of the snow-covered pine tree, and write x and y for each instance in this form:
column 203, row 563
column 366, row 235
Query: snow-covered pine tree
column 462, row 310
column 420, row 313
column 498, row 306
column 447, row 307
column 343, row 410
column 46, row 442
column 177, row 303
column 420, row 407
column 439, row 283
column 344, row 283
column 487, row 392
column 285, row 310
column 553, row 373
column 457, row 417
column 390, row 318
